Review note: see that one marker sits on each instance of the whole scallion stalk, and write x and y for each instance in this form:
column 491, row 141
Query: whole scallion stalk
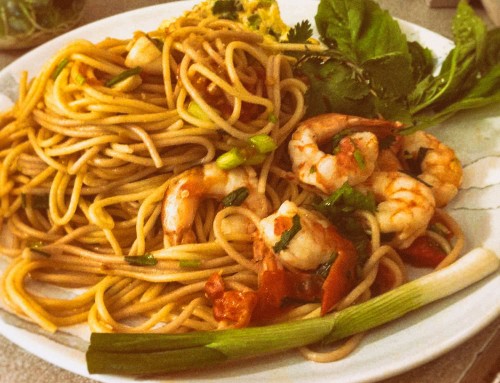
column 136, row 354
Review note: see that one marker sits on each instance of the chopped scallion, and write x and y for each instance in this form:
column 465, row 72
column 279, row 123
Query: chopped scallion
column 141, row 260
column 123, row 76
column 236, row 197
column 263, row 143
column 231, row 159
column 195, row 110
column 62, row 64
column 272, row 118
column 256, row 159
column 80, row 79
column 360, row 159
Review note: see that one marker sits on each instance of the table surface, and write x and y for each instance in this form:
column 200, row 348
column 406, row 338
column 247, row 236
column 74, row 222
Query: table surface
column 475, row 361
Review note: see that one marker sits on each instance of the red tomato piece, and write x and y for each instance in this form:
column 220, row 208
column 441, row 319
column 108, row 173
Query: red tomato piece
column 423, row 252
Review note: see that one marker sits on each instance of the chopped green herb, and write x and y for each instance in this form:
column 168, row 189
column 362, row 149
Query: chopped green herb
column 189, row 263
column 59, row 68
column 263, row 143
column 347, row 199
column 236, row 197
column 265, row 3
column 231, row 159
column 254, row 21
column 255, row 159
column 195, row 110
column 227, row 9
column 80, row 79
column 287, row 235
column 156, row 41
column 300, row 33
column 324, row 269
column 123, row 76
column 337, row 138
column 360, row 159
column 141, row 260
column 272, row 118
column 415, row 163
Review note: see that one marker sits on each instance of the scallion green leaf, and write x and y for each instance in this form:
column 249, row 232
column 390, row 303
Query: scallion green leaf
column 360, row 159
column 231, row 159
column 136, row 354
column 123, row 76
column 195, row 110
column 80, row 79
column 263, row 143
column 141, row 260
column 62, row 64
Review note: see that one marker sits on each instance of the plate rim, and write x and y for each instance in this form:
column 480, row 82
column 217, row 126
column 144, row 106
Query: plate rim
column 78, row 367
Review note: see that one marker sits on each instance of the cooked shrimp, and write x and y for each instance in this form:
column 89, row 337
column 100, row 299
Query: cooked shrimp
column 144, row 53
column 312, row 245
column 405, row 205
column 183, row 196
column 356, row 153
column 434, row 163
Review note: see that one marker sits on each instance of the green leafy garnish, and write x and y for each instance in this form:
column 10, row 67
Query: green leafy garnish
column 324, row 269
column 371, row 70
column 300, row 32
column 156, row 41
column 80, row 79
column 230, row 159
column 227, row 9
column 287, row 235
column 236, row 197
column 346, row 199
column 263, row 143
column 59, row 68
column 254, row 21
column 360, row 159
column 123, row 76
column 338, row 208
column 141, row 260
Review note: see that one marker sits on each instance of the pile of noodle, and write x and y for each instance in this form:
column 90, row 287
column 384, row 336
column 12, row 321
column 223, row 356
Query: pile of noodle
column 84, row 168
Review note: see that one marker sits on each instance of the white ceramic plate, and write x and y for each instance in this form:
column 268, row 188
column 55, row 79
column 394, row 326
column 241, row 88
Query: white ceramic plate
column 387, row 351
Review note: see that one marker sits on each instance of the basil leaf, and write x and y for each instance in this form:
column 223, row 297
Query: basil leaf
column 287, row 235
column 346, row 199
column 335, row 87
column 141, row 260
